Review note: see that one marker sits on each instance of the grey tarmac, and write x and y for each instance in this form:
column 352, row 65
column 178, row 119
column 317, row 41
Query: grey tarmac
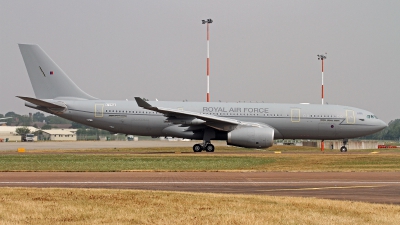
column 373, row 187
column 74, row 145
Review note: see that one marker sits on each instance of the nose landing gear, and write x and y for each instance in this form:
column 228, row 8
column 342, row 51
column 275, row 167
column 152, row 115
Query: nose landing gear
column 343, row 148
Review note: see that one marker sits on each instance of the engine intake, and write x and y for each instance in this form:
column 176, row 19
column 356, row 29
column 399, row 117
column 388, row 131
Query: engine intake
column 251, row 137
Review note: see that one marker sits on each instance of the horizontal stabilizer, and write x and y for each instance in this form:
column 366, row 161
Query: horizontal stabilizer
column 52, row 105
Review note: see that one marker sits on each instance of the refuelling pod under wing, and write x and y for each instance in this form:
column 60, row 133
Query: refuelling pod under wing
column 251, row 137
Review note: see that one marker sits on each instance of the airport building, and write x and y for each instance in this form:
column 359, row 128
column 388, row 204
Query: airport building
column 60, row 134
column 7, row 133
column 333, row 144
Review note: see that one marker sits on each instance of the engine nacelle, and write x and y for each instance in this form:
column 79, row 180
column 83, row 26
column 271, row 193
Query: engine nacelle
column 251, row 137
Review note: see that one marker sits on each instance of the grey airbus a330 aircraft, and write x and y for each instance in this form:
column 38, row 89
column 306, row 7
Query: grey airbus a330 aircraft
column 250, row 125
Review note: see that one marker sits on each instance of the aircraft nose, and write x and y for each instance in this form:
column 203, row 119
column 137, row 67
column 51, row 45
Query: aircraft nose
column 382, row 125
column 378, row 125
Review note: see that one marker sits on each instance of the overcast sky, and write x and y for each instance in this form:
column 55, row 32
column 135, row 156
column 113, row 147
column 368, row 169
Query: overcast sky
column 259, row 50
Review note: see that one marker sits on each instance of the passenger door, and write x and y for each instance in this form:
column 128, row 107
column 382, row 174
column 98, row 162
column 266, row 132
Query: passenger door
column 350, row 117
column 98, row 110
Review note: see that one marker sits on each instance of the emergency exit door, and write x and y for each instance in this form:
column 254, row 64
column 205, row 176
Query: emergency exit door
column 295, row 115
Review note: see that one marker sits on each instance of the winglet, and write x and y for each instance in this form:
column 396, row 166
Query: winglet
column 142, row 103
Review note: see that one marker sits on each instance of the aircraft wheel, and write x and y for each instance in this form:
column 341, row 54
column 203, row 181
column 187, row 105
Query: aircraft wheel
column 197, row 148
column 343, row 149
column 210, row 148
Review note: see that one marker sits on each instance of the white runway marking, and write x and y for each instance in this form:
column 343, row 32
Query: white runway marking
column 196, row 182
column 319, row 188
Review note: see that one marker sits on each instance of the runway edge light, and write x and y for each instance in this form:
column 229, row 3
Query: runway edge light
column 21, row 149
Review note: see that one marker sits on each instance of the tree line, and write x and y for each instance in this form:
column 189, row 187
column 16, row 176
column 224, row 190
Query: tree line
column 50, row 121
column 391, row 132
column 26, row 120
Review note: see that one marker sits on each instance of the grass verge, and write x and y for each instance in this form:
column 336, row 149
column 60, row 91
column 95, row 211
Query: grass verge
column 100, row 206
column 124, row 161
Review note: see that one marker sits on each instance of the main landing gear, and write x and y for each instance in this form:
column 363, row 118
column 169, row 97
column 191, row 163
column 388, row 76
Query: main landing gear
column 209, row 134
column 205, row 146
column 343, row 148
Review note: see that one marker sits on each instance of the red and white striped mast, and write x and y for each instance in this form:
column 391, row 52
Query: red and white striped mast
column 208, row 21
column 322, row 57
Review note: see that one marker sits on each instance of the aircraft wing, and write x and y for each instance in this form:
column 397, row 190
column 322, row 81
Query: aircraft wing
column 220, row 123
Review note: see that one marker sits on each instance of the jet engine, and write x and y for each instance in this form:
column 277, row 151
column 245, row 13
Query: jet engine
column 251, row 137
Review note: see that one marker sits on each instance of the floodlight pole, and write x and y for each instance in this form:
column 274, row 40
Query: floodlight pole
column 322, row 57
column 208, row 21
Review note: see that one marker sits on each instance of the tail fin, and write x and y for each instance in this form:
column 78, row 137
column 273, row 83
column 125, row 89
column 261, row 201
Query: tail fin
column 47, row 79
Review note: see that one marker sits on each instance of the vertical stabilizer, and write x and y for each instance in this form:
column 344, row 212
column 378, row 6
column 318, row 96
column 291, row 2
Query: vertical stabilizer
column 48, row 80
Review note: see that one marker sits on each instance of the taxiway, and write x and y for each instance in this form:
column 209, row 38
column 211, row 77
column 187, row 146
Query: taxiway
column 374, row 187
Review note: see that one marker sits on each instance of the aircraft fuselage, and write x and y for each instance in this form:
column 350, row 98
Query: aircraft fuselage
column 290, row 121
